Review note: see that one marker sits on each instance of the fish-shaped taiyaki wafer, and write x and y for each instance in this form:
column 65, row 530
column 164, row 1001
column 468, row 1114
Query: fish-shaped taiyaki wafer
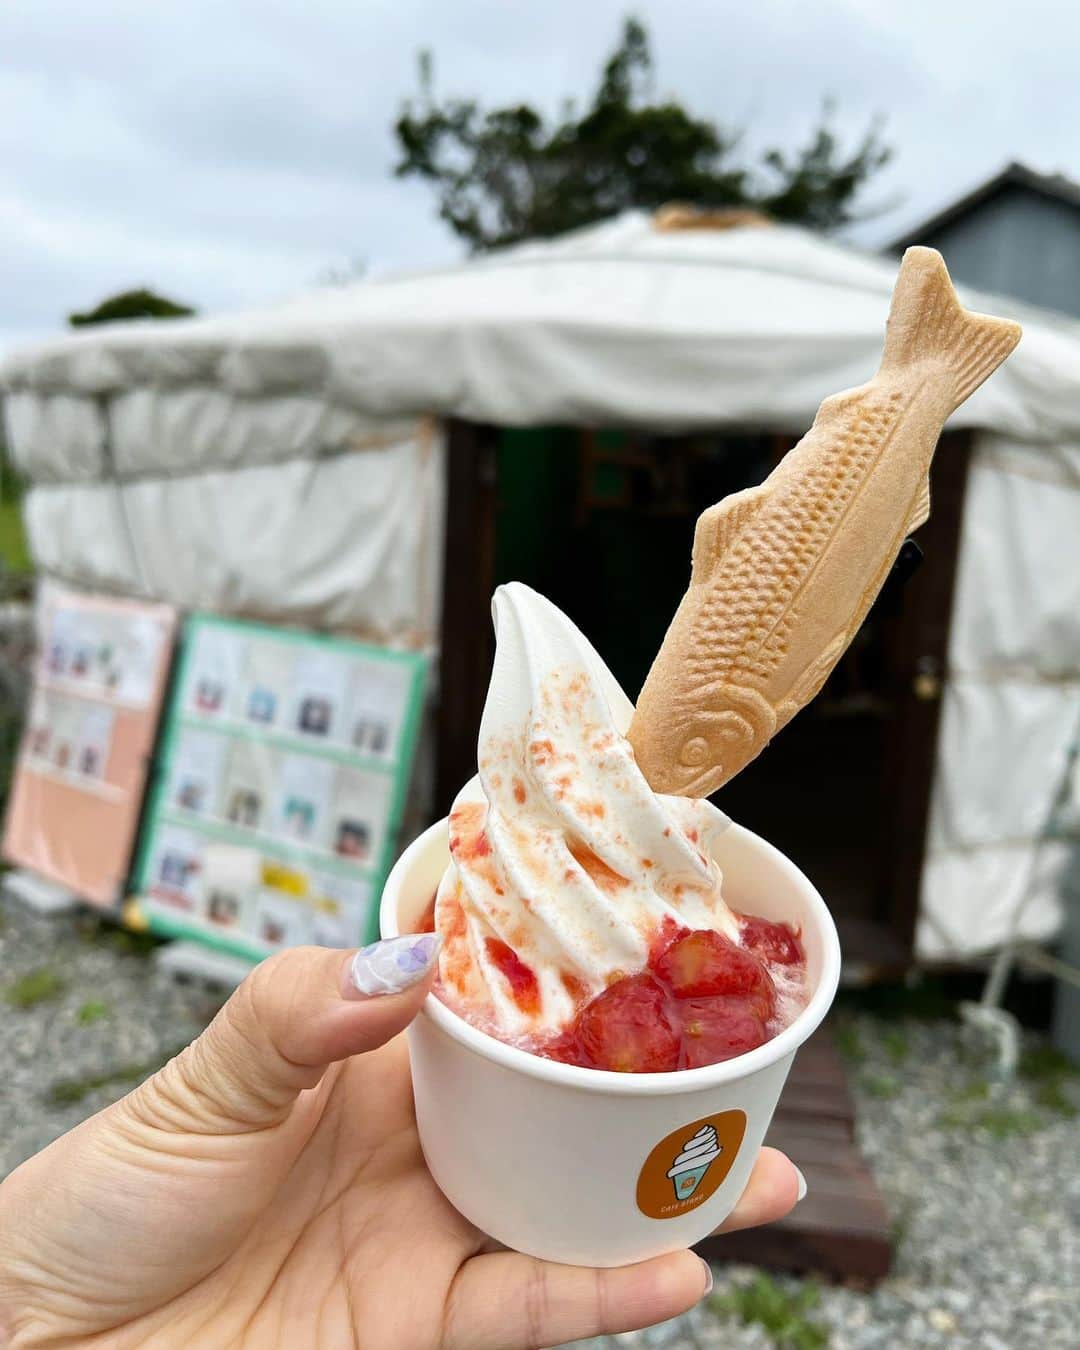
column 784, row 573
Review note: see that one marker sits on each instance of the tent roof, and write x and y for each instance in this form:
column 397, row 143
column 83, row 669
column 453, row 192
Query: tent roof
column 619, row 323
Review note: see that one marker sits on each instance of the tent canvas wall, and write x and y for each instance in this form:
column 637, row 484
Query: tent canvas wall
column 283, row 463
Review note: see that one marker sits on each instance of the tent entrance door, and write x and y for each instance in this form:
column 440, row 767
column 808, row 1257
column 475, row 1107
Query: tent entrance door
column 602, row 523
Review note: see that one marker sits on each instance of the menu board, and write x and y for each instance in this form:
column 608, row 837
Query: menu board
column 285, row 762
column 78, row 785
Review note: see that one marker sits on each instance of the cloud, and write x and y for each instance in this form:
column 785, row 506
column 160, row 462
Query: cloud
column 227, row 154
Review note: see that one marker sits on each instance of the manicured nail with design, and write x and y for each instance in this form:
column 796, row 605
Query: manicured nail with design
column 802, row 1185
column 392, row 965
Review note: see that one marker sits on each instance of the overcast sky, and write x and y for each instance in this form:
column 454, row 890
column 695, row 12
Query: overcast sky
column 228, row 154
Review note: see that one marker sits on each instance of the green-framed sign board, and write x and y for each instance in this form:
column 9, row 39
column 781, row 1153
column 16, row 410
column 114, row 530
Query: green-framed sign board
column 281, row 781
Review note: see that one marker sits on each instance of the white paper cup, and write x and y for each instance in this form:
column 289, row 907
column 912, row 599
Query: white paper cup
column 579, row 1165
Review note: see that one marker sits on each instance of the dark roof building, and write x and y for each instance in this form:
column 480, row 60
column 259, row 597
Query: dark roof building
column 1016, row 234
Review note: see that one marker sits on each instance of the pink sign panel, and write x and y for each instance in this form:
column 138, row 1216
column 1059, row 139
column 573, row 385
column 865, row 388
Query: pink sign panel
column 78, row 786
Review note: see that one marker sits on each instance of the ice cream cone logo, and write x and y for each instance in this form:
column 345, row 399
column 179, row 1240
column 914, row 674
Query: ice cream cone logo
column 697, row 1156
column 688, row 1166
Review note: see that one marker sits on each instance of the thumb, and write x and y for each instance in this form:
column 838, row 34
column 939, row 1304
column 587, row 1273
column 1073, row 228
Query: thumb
column 292, row 1017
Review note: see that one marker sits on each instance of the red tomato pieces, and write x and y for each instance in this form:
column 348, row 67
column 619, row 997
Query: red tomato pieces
column 704, row 963
column 772, row 941
column 703, row 999
column 716, row 1029
column 627, row 1028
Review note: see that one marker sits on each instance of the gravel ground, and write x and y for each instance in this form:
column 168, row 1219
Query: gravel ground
column 114, row 1021
column 983, row 1186
column 982, row 1183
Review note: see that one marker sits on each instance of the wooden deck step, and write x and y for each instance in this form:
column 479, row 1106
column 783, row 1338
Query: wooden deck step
column 841, row 1229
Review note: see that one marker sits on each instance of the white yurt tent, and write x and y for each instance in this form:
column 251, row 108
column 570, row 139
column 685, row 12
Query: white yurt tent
column 290, row 463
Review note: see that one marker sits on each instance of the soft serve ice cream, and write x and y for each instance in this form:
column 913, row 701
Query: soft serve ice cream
column 582, row 913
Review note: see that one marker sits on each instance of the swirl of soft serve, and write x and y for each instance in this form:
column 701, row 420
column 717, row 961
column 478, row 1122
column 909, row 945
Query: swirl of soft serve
column 565, row 866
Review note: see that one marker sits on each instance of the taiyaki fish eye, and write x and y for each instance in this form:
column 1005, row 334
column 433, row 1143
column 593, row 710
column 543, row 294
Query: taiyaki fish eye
column 694, row 753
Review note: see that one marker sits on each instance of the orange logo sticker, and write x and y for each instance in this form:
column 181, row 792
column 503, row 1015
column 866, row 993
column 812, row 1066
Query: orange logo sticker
column 688, row 1165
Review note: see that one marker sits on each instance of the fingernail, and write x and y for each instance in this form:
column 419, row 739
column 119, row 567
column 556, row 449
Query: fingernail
column 708, row 1278
column 392, row 965
column 802, row 1185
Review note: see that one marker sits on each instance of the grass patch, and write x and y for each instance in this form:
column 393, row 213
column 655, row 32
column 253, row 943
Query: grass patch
column 13, row 550
column 999, row 1122
column 1051, row 1096
column 92, row 928
column 782, row 1314
column 1003, row 1122
column 899, row 1225
column 882, row 1085
column 93, row 1010
column 1046, row 1070
column 849, row 1042
column 926, row 999
column 1042, row 1062
column 36, row 986
column 132, row 944
column 896, row 1044
column 68, row 1090
column 974, row 1108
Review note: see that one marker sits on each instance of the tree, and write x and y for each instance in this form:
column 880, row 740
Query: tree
column 506, row 174
column 140, row 304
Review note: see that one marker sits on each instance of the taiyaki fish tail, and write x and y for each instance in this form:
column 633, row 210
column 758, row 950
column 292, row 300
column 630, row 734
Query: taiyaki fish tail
column 927, row 323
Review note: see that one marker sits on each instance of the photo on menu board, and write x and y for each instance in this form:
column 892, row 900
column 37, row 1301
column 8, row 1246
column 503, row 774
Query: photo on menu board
column 231, row 880
column 267, row 681
column 320, row 684
column 280, row 919
column 102, row 652
column 37, row 736
column 361, row 811
column 216, row 663
column 176, row 869
column 81, row 655
column 94, row 740
column 130, row 655
column 251, row 771
column 197, row 771
column 305, row 788
column 65, row 715
column 341, row 909
column 59, row 641
column 378, row 697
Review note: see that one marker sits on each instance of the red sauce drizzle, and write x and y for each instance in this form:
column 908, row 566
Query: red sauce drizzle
column 426, row 923
column 524, row 986
column 577, row 989
column 470, row 840
column 594, row 866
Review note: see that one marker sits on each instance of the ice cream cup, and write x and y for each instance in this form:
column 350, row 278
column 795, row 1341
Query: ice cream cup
column 589, row 1167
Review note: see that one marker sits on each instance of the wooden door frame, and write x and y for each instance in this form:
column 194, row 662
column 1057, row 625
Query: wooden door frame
column 919, row 646
column 465, row 642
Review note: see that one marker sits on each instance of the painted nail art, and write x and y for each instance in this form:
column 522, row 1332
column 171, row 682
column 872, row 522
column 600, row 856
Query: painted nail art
column 392, row 965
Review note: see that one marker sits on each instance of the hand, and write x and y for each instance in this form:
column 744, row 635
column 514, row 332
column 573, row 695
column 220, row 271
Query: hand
column 266, row 1188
